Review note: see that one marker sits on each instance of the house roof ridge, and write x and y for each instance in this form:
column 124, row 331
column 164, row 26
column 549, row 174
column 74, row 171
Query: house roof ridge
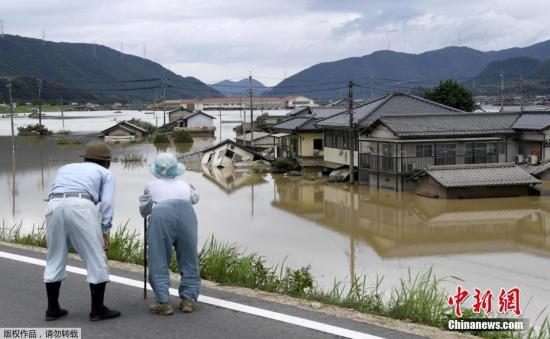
column 430, row 102
column 469, row 166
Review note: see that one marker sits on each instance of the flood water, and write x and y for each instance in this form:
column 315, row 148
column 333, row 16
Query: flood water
column 339, row 230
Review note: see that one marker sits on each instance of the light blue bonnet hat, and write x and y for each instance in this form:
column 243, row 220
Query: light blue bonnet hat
column 166, row 165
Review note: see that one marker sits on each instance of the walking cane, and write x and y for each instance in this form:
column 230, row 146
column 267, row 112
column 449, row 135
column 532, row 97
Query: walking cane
column 145, row 258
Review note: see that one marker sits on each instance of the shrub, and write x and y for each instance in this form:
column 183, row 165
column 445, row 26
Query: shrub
column 37, row 129
column 161, row 139
column 63, row 141
column 284, row 164
column 149, row 127
column 182, row 136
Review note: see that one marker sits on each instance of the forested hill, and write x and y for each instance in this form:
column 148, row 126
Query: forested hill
column 527, row 74
column 387, row 70
column 95, row 72
column 239, row 88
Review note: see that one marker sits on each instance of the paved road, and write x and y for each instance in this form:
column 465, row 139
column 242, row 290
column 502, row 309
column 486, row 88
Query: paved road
column 23, row 302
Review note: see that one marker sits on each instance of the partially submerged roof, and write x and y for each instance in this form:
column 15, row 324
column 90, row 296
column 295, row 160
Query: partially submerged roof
column 126, row 126
column 478, row 124
column 391, row 104
column 478, row 175
column 231, row 142
column 180, row 109
column 257, row 135
column 533, row 121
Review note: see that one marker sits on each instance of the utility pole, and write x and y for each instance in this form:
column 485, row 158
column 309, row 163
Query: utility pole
column 351, row 132
column 220, row 110
column 521, row 93
column 501, row 91
column 9, row 86
column 39, row 84
column 62, row 116
column 163, row 85
column 251, row 112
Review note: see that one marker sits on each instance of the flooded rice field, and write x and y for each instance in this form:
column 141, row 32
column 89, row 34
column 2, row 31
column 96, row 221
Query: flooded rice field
column 339, row 230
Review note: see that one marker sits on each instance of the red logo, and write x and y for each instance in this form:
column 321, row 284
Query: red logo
column 483, row 300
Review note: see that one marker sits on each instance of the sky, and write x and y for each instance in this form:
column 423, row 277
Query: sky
column 214, row 40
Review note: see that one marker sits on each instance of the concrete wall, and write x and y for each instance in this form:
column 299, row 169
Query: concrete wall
column 339, row 156
column 306, row 142
column 200, row 121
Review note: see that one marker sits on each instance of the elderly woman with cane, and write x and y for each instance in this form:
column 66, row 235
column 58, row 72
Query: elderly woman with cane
column 172, row 224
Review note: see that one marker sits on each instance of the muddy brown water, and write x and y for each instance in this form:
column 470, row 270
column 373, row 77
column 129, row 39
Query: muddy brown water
column 339, row 230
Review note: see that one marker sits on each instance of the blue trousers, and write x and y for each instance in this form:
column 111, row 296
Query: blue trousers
column 173, row 224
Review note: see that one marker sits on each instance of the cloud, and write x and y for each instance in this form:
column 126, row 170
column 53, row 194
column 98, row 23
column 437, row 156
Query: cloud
column 218, row 39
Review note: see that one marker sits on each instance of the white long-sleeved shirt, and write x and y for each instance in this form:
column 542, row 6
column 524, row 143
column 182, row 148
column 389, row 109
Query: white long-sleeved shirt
column 91, row 178
column 164, row 189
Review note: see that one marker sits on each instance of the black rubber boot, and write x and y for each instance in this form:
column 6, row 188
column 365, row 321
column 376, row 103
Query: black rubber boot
column 100, row 311
column 54, row 310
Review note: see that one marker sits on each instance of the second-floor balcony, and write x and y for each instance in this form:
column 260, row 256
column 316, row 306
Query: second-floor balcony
column 409, row 165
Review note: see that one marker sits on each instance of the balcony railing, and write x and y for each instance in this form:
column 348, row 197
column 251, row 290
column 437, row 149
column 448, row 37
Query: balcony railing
column 389, row 164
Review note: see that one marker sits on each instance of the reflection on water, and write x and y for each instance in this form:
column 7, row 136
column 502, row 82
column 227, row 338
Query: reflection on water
column 403, row 224
column 341, row 231
column 229, row 179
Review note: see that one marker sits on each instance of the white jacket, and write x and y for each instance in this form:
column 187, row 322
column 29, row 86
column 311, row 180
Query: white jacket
column 164, row 189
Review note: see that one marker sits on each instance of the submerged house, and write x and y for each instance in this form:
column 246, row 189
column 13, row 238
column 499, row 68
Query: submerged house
column 300, row 138
column 178, row 114
column 228, row 154
column 394, row 147
column 197, row 124
column 261, row 140
column 474, row 181
column 533, row 137
column 336, row 128
column 123, row 131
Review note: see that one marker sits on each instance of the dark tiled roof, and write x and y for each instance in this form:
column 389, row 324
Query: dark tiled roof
column 298, row 111
column 533, row 121
column 450, row 124
column 307, row 122
column 391, row 104
column 502, row 174
column 316, row 112
column 290, row 124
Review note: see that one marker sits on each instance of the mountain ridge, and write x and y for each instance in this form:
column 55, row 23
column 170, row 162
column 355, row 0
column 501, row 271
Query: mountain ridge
column 93, row 70
column 239, row 88
column 385, row 70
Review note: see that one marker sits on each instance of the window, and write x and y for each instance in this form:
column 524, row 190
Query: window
column 424, row 150
column 318, row 144
column 445, row 154
column 229, row 154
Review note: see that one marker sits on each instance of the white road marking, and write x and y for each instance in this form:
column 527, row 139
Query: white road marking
column 289, row 319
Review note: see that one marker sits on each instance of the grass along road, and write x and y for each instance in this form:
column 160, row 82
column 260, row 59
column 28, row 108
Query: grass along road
column 418, row 298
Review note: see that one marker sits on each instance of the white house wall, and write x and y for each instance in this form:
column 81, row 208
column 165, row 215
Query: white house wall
column 200, row 121
column 382, row 132
column 339, row 156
